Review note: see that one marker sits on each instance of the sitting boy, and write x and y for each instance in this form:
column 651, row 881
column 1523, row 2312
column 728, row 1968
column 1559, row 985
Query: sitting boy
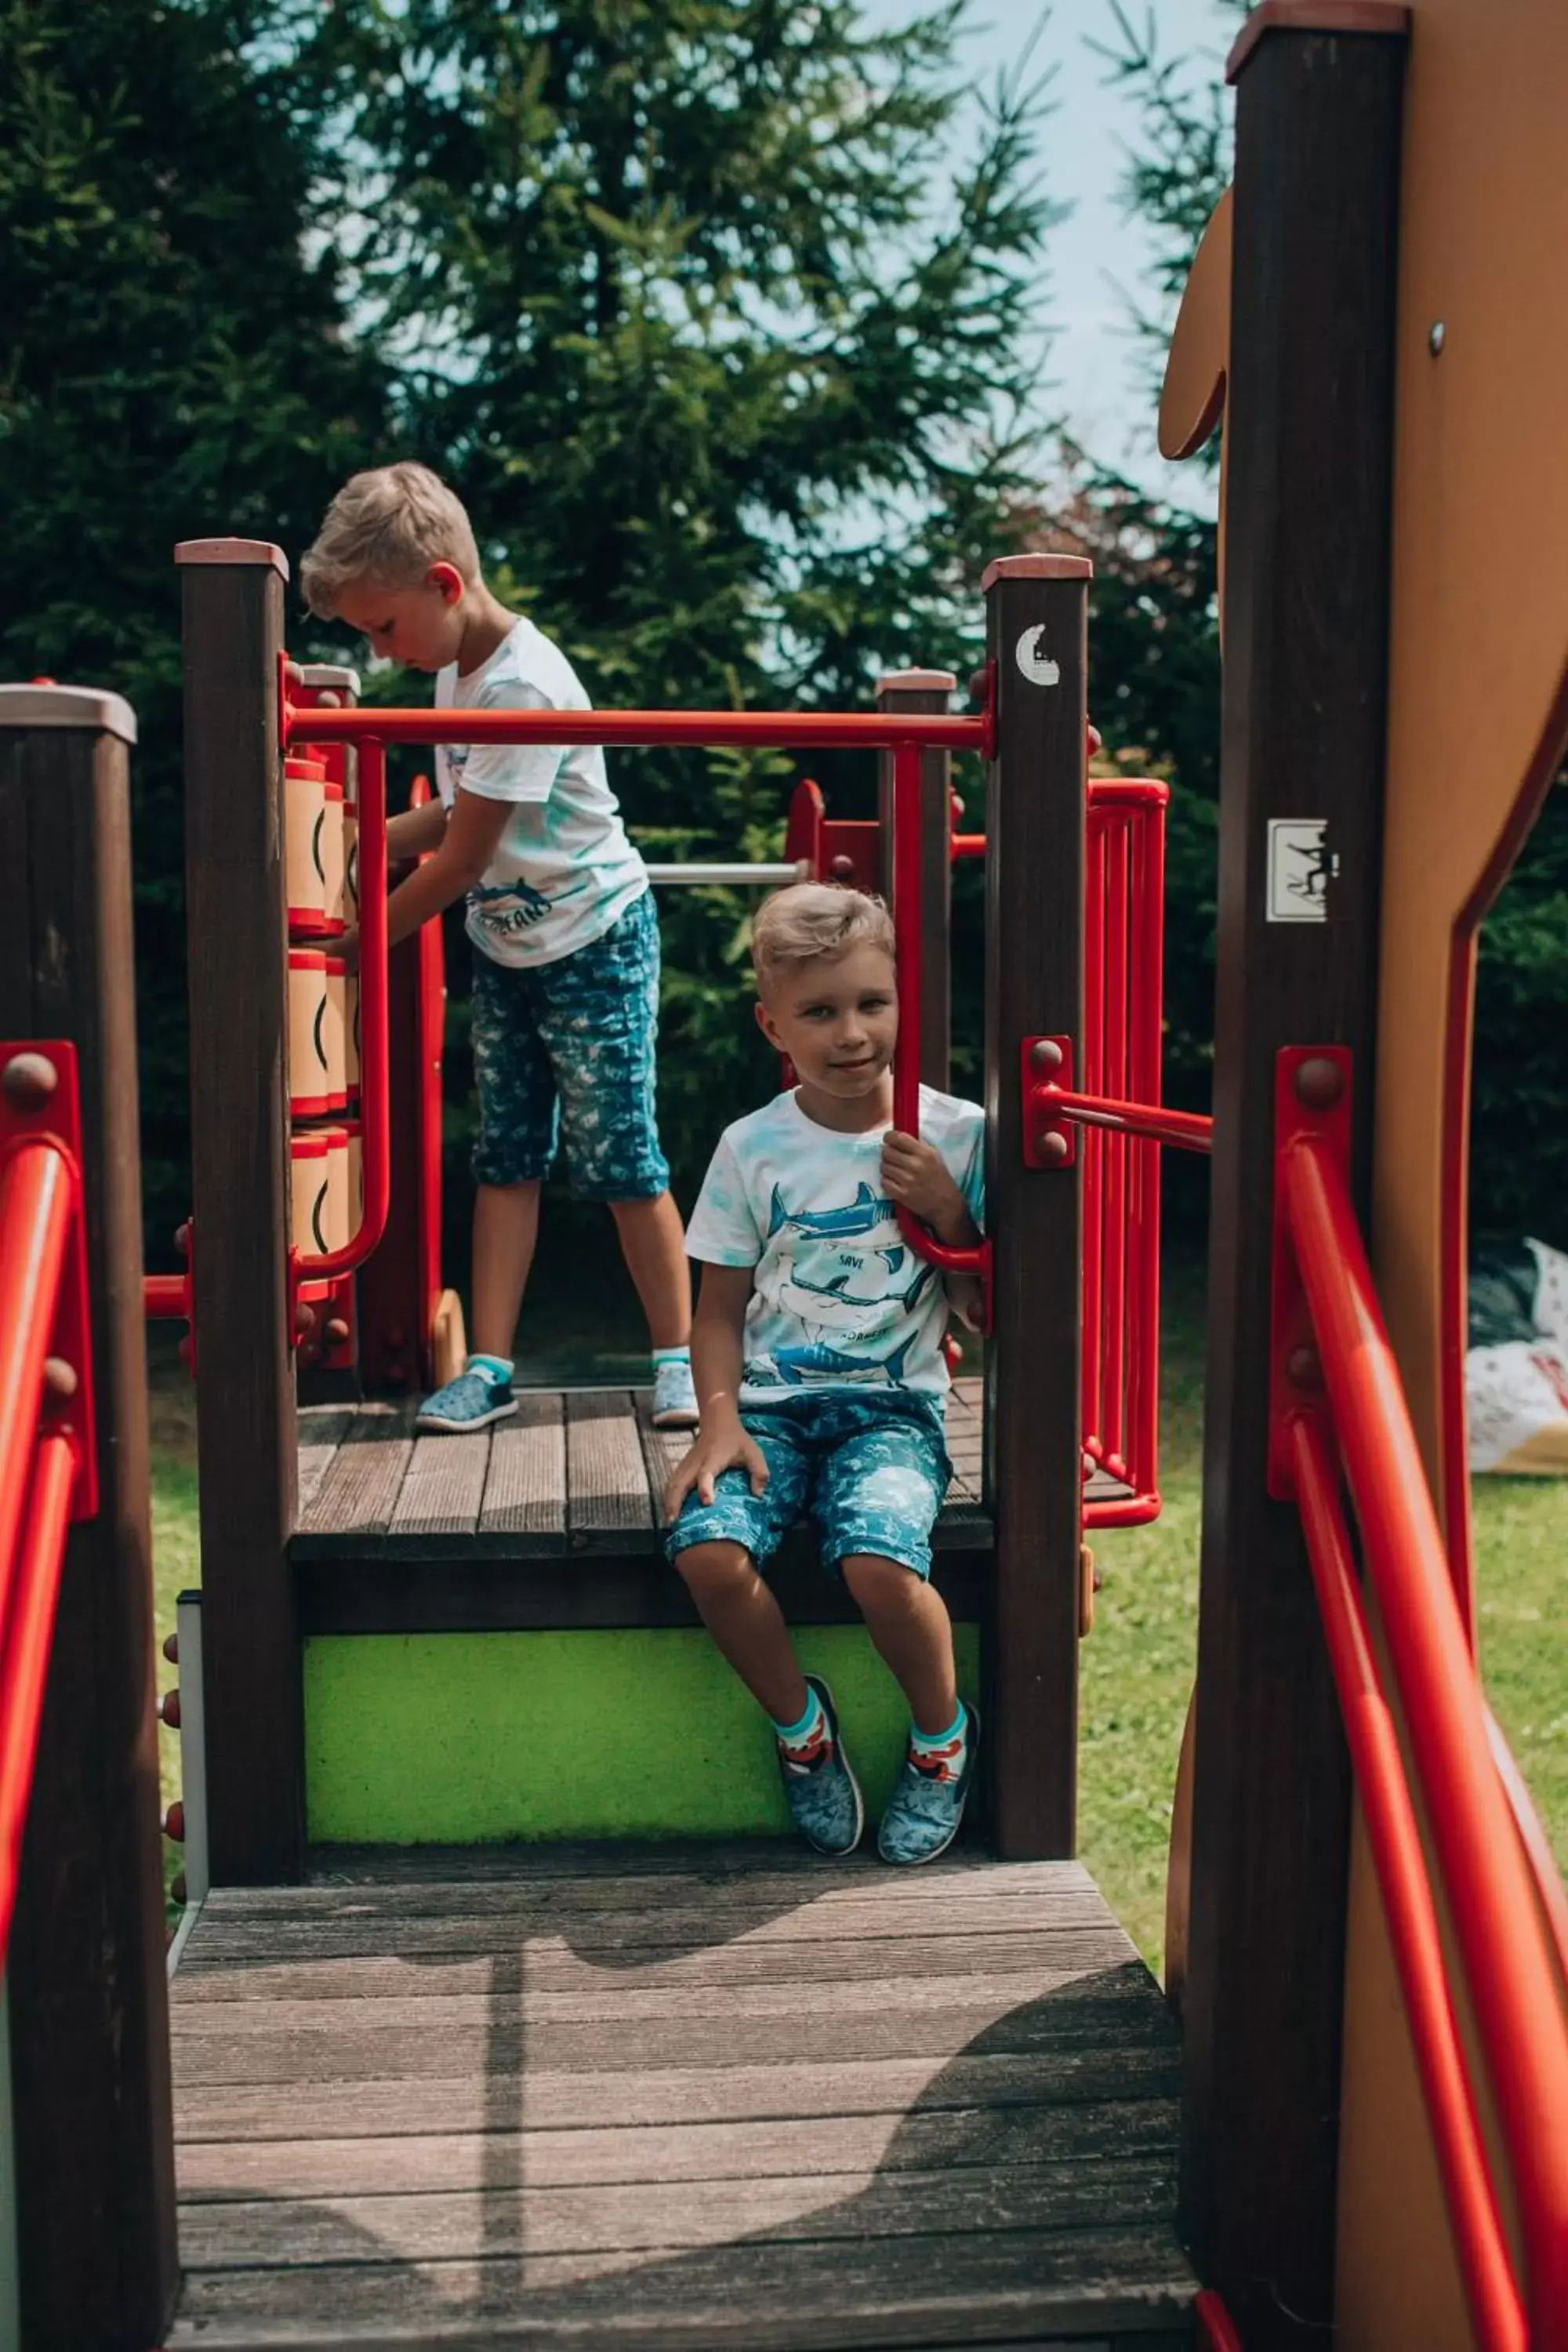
column 817, row 1351
column 561, row 920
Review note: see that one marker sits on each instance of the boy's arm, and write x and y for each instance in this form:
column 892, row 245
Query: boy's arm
column 718, row 1364
column 467, row 845
column 415, row 832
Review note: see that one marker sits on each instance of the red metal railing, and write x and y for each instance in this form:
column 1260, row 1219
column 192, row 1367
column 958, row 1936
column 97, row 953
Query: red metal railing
column 975, row 1260
column 1341, row 1410
column 903, row 734
column 48, row 1472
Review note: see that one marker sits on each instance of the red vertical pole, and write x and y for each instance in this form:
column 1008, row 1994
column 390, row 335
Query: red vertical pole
column 1091, row 1141
column 1115, row 1146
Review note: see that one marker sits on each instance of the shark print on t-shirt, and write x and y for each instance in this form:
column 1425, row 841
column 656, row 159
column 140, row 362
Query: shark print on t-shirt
column 839, row 1299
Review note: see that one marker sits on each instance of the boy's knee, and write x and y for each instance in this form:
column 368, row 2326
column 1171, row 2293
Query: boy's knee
column 714, row 1566
column 881, row 1585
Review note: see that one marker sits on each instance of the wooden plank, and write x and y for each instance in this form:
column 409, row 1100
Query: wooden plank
column 358, row 1494
column 397, row 1982
column 442, row 1489
column 767, row 2296
column 821, row 2208
column 1034, row 986
column 772, row 2149
column 664, row 1450
column 233, row 631
column 1308, row 441
column 86, row 1982
column 708, row 1862
column 525, row 1492
column 443, row 1584
column 606, row 1477
column 322, row 1429
column 823, row 1892
column 1012, row 2017
column 631, row 2099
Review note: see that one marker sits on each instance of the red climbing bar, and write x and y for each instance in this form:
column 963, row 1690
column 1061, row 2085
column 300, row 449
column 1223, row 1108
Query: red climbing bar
column 906, row 1051
column 1509, row 1970
column 1093, row 1073
column 28, row 1620
column 1187, row 1131
column 1114, row 1239
column 36, row 1196
column 802, row 730
column 374, row 1077
column 164, row 1293
column 1411, row 1912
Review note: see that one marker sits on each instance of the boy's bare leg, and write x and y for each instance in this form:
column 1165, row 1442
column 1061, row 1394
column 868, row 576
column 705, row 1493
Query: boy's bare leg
column 652, row 1242
column 747, row 1624
column 506, row 1226
column 913, row 1634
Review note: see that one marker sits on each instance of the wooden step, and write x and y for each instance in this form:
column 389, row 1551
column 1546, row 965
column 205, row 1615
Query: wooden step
column 674, row 2098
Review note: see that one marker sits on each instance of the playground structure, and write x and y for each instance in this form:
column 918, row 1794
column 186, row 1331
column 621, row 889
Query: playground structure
column 1371, row 1941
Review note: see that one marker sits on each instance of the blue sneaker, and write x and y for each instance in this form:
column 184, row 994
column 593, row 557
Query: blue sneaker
column 927, row 1805
column 674, row 1397
column 824, row 1795
column 470, row 1401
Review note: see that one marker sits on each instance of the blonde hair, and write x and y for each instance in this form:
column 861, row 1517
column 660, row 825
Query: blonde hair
column 813, row 921
column 389, row 525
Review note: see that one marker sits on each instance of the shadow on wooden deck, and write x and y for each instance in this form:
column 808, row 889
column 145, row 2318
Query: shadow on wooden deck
column 709, row 2099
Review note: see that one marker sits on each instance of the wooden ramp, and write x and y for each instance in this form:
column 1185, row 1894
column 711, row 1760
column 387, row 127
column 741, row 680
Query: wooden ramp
column 704, row 2097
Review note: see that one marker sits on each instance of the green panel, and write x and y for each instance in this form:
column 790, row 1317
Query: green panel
column 456, row 1738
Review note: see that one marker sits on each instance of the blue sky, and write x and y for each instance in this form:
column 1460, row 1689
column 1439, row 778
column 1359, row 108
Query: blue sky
column 1096, row 384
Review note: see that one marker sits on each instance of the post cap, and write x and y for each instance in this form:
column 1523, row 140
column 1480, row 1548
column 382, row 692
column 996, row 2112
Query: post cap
column 233, row 551
column 330, row 674
column 1036, row 567
column 1316, row 17
column 916, row 681
column 91, row 708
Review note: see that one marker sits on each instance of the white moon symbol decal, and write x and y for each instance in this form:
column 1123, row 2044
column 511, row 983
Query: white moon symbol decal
column 1033, row 659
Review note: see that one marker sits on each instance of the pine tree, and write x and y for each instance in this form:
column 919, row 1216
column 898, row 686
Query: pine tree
column 724, row 316
column 171, row 364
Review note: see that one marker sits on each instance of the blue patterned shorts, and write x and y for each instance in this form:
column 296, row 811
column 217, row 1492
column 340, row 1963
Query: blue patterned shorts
column 871, row 1470
column 565, row 1051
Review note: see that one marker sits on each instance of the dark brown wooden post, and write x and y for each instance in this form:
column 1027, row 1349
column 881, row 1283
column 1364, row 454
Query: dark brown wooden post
column 88, row 2002
column 1310, row 439
column 926, row 689
column 233, row 622
column 1036, row 643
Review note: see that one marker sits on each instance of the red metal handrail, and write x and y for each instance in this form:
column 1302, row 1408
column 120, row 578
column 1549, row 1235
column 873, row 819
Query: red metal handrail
column 977, row 1259
column 1414, row 1932
column 813, row 730
column 1188, row 1130
column 31, row 1589
column 40, row 1193
column 36, row 1196
column 1509, row 1965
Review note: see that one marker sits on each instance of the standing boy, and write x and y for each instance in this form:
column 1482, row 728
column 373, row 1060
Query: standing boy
column 565, row 982
column 820, row 1375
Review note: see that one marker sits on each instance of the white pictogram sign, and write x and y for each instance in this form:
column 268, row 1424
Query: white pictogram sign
column 1033, row 660
column 1300, row 867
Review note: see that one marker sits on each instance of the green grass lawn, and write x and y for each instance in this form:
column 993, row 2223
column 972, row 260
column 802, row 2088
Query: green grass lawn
column 1137, row 1665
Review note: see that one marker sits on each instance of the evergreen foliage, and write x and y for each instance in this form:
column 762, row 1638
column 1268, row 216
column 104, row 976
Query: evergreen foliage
column 173, row 365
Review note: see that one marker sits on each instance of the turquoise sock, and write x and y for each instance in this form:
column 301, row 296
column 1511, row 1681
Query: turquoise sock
column 952, row 1745
column 802, row 1734
column 671, row 1356
column 496, row 1368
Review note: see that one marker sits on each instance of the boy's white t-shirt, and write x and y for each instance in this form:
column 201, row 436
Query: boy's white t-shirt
column 563, row 870
column 840, row 1298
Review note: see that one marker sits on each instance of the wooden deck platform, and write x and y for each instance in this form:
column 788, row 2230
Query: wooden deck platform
column 676, row 2098
column 553, row 1518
